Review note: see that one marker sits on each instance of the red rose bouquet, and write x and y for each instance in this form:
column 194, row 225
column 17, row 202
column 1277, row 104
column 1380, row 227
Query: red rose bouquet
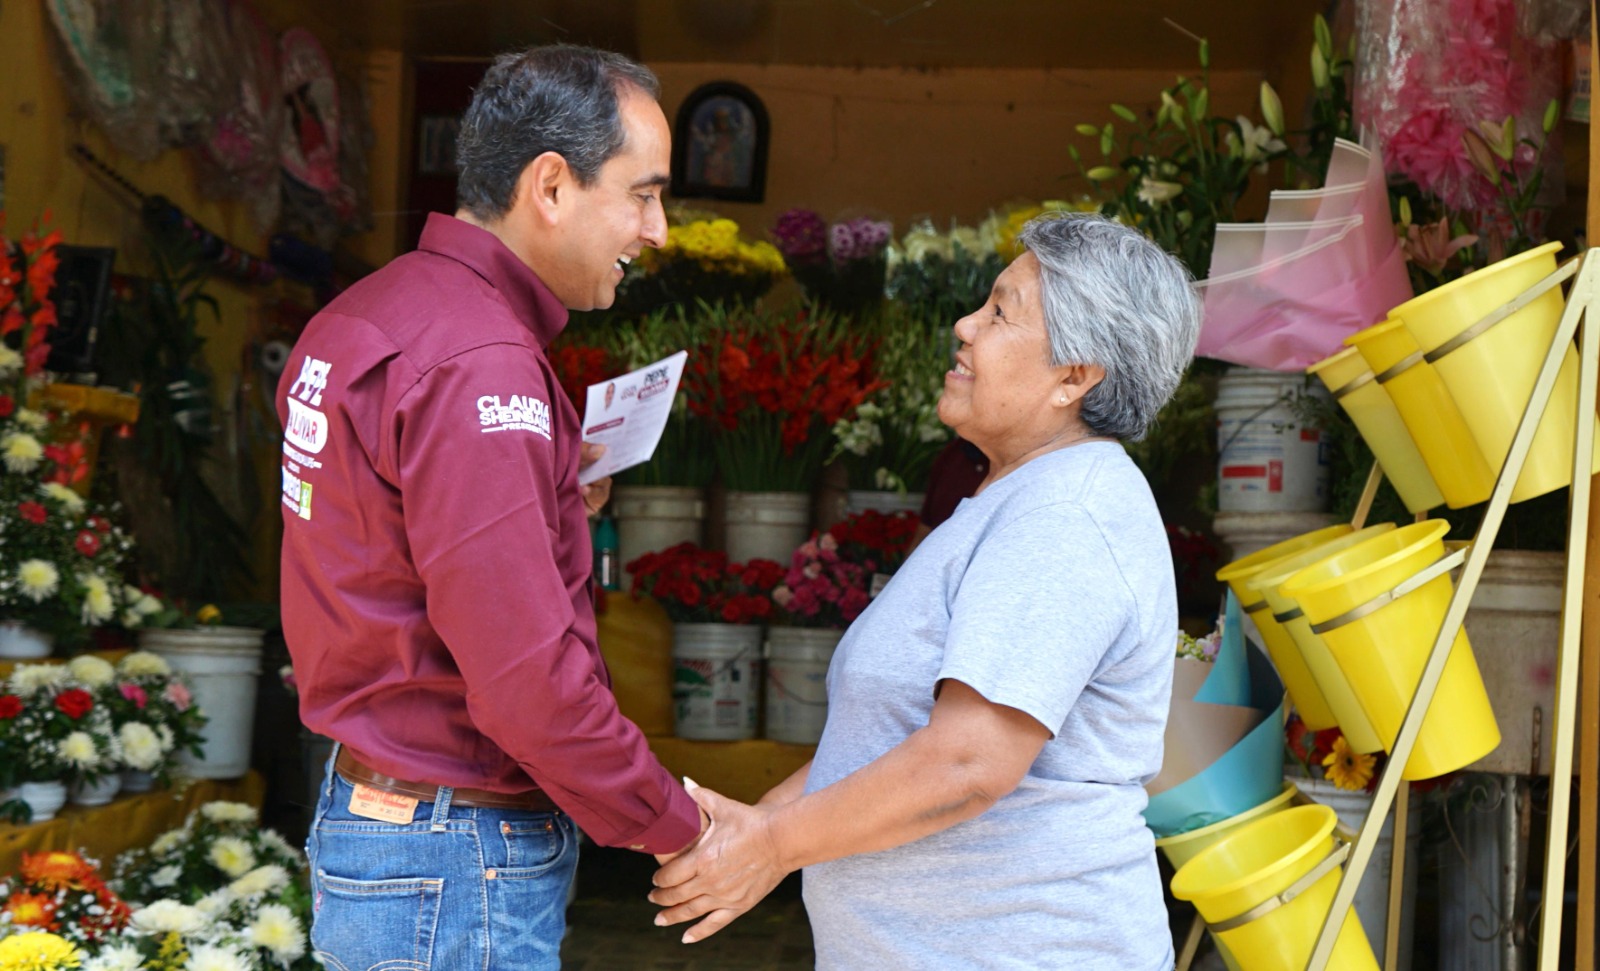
column 61, row 893
column 772, row 386
column 700, row 586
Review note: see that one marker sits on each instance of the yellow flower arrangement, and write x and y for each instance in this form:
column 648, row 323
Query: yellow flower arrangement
column 703, row 258
column 716, row 246
column 38, row 952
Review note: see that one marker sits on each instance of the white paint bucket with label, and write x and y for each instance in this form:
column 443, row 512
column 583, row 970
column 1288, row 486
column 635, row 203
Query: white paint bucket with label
column 716, row 674
column 1268, row 458
column 797, row 689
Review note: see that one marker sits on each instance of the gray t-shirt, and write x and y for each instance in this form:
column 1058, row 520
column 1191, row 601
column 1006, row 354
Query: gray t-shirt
column 1051, row 592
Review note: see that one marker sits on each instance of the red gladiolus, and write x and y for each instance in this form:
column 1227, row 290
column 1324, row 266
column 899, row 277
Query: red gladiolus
column 74, row 702
column 10, row 706
column 87, row 543
column 8, row 404
column 32, row 512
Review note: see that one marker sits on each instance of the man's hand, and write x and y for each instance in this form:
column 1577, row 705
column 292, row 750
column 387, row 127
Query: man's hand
column 732, row 867
column 705, row 825
column 598, row 492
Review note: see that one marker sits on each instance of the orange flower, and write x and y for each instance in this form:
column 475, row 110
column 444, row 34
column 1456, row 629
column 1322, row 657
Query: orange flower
column 56, row 870
column 1347, row 768
column 31, row 910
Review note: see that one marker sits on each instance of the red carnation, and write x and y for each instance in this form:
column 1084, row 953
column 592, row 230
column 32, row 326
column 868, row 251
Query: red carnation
column 75, row 702
column 8, row 404
column 87, row 543
column 10, row 706
column 32, row 512
column 99, row 524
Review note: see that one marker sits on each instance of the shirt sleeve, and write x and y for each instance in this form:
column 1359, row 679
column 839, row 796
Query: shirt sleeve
column 480, row 461
column 1040, row 604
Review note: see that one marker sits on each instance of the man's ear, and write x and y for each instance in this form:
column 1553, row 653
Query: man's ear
column 545, row 187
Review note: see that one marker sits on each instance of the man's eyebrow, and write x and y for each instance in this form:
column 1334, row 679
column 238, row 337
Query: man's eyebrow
column 652, row 182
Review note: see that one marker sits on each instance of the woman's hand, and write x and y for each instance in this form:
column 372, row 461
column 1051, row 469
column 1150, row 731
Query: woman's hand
column 730, row 870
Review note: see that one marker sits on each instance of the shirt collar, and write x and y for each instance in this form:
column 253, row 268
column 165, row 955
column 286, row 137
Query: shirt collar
column 486, row 255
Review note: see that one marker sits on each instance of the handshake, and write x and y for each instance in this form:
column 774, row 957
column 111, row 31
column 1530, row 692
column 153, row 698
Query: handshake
column 729, row 868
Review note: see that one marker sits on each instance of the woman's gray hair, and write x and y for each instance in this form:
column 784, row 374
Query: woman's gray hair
column 1114, row 298
column 559, row 98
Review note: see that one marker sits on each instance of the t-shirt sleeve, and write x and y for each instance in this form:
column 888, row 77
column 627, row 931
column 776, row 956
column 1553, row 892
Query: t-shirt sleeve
column 480, row 470
column 1039, row 606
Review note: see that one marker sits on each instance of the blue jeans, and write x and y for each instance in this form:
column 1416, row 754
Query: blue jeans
column 456, row 888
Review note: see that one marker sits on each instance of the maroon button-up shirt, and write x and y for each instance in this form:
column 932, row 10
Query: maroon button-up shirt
column 436, row 552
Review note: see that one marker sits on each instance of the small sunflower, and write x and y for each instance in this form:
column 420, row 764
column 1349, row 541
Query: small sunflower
column 1347, row 768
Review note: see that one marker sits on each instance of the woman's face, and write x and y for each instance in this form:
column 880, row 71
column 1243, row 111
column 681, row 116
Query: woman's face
column 999, row 394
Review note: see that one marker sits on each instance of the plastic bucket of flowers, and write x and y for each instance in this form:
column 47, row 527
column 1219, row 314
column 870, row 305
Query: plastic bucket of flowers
column 1353, row 385
column 223, row 664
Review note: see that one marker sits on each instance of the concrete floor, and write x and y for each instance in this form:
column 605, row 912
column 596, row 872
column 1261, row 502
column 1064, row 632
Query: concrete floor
column 610, row 925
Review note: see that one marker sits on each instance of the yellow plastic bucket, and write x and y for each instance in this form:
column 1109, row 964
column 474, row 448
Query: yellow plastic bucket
column 1183, row 847
column 1255, row 863
column 1429, row 413
column 1491, row 375
column 1314, row 711
column 1355, row 387
column 1383, row 650
column 1288, row 625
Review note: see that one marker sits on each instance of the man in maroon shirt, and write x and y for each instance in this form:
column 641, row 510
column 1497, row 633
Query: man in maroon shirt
column 436, row 553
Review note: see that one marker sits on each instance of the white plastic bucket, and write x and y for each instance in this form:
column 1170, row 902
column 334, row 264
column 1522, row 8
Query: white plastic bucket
column 716, row 674
column 797, row 689
column 766, row 525
column 653, row 518
column 20, row 642
column 222, row 663
column 861, row 500
column 1267, row 459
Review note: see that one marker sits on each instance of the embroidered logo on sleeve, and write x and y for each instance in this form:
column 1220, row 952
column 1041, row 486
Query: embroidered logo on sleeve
column 307, row 428
column 522, row 412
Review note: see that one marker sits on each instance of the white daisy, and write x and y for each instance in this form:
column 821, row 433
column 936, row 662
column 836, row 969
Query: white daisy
column 98, row 607
column 166, row 876
column 32, row 420
column 215, row 903
column 273, row 844
column 10, row 360
column 118, row 957
column 168, row 841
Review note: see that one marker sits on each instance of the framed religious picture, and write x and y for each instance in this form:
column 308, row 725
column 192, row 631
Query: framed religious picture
column 436, row 144
column 719, row 144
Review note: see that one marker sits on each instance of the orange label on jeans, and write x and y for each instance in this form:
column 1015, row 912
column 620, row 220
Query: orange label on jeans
column 386, row 807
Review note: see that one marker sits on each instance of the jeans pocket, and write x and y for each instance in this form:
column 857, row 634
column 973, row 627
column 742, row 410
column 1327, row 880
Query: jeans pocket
column 375, row 925
column 531, row 845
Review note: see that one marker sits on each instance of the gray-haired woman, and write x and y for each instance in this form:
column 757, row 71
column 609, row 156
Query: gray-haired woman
column 993, row 716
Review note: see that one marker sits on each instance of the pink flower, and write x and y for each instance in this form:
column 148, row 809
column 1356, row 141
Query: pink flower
column 781, row 596
column 828, row 543
column 853, row 603
column 804, row 602
column 134, row 693
column 178, row 695
column 812, row 570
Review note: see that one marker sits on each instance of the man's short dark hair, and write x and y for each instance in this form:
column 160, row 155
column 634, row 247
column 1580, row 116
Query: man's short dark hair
column 559, row 98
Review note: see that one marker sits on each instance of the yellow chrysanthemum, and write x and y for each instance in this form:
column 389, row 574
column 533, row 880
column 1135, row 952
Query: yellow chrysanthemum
column 9, row 361
column 21, row 451
column 141, row 746
column 38, row 952
column 37, row 579
column 78, row 749
column 31, row 420
column 223, row 811
column 141, row 664
column 98, row 607
column 278, row 930
column 263, row 879
column 94, row 672
column 232, row 856
column 1347, row 768
column 209, row 614
column 70, row 500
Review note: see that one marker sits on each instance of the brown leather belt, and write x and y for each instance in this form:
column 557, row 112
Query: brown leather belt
column 357, row 772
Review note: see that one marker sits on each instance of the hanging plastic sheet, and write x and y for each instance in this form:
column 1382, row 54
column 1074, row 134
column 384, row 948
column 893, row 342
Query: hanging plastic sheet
column 1284, row 293
column 112, row 61
column 198, row 71
column 239, row 154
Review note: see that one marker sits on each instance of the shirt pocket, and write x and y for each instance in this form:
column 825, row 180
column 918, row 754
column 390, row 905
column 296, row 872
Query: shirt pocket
column 375, row 925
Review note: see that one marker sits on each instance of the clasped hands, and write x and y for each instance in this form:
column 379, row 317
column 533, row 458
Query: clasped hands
column 728, row 870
